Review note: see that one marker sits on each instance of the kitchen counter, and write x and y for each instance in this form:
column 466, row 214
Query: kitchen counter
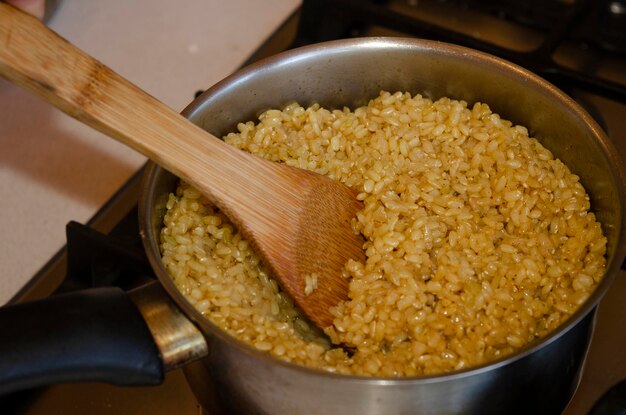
column 54, row 169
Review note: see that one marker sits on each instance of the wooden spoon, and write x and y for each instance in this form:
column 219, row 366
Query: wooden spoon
column 298, row 221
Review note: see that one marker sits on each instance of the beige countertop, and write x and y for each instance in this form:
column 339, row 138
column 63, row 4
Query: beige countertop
column 52, row 168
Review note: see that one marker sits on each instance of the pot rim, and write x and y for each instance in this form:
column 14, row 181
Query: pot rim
column 345, row 45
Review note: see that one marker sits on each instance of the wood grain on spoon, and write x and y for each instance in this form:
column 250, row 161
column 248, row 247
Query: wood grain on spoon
column 298, row 221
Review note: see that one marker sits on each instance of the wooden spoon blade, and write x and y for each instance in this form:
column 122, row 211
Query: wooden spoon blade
column 311, row 268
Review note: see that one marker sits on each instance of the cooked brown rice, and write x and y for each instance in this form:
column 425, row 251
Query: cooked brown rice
column 478, row 240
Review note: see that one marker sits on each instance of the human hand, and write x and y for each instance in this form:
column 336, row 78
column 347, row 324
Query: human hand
column 35, row 7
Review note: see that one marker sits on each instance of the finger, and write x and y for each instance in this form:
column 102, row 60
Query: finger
column 35, row 7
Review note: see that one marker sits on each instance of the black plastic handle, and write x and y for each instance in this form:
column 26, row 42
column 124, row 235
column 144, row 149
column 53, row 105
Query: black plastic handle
column 92, row 335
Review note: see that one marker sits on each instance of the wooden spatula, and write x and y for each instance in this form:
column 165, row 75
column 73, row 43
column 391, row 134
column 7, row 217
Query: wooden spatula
column 298, row 221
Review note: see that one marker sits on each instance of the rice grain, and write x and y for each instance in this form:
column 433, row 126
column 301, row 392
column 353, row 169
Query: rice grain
column 477, row 240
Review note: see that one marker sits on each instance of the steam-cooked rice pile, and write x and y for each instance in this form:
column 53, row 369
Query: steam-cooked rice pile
column 478, row 241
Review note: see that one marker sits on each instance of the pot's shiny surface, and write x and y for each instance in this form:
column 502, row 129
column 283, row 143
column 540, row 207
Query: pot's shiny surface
column 349, row 73
column 540, row 383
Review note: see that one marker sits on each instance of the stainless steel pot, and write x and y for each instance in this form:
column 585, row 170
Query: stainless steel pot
column 232, row 377
column 538, row 379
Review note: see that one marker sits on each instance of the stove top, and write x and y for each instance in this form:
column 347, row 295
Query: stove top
column 578, row 45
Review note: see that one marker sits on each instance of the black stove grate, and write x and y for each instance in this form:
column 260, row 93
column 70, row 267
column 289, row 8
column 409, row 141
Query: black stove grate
column 593, row 30
column 98, row 260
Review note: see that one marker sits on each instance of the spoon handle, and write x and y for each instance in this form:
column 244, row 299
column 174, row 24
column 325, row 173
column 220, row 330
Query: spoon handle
column 41, row 61
column 298, row 221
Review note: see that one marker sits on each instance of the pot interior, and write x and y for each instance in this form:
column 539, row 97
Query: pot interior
column 349, row 73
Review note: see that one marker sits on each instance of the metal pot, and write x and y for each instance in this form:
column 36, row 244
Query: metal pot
column 233, row 377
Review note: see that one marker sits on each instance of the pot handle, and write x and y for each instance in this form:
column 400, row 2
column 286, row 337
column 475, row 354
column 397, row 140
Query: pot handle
column 93, row 335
